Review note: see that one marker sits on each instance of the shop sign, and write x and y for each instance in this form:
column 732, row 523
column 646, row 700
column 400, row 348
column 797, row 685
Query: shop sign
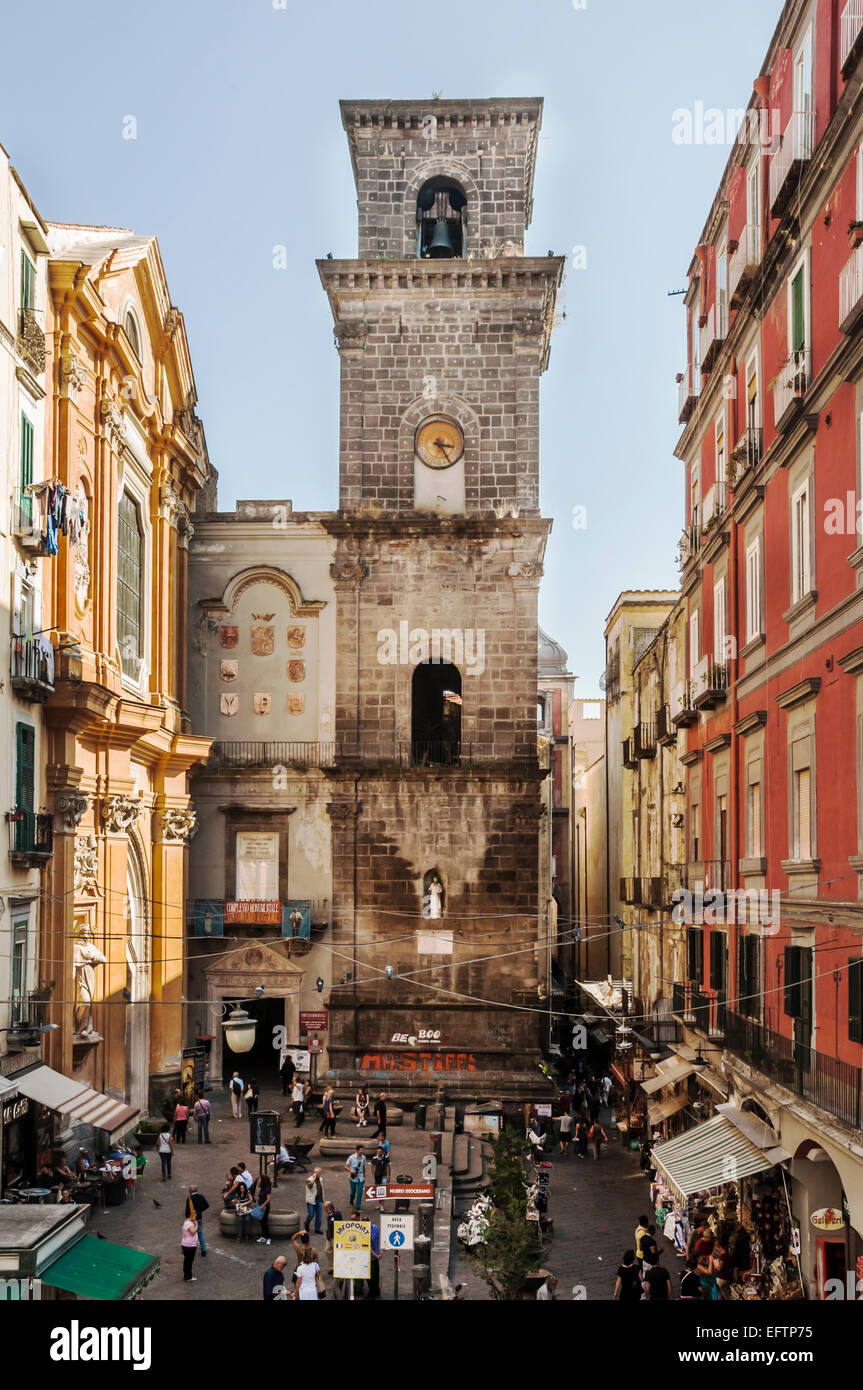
column 16, row 1109
column 352, row 1249
column 412, row 1192
column 252, row 913
column 423, row 1037
column 314, row 1020
column 316, row 1047
column 418, row 1061
column 827, row 1219
column 543, row 1111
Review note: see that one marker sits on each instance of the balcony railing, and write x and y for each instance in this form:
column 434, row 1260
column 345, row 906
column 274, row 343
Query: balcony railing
column 26, row 521
column 850, row 36
column 746, row 454
column 689, row 544
column 744, row 262
column 31, row 838
column 790, row 387
column 688, row 391
column 685, row 714
column 666, row 733
column 798, row 142
column 825, row 1081
column 713, row 334
column 31, row 340
column 630, row 756
column 851, row 288
column 691, row 1005
column 715, row 503
column 255, row 754
column 630, row 890
column 711, row 683
column 301, row 755
column 32, row 668
column 653, row 892
column 645, row 740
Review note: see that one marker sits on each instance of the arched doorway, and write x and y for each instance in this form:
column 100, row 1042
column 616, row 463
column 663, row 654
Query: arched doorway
column 138, row 971
column 435, row 714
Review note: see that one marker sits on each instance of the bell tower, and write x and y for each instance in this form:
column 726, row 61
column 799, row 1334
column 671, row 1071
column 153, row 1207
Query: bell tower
column 442, row 326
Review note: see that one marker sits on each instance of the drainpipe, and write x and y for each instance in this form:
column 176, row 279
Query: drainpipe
column 732, row 617
column 761, row 87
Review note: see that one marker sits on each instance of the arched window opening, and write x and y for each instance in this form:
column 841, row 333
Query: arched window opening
column 434, row 895
column 137, row 992
column 131, row 328
column 130, row 572
column 441, row 220
column 435, row 714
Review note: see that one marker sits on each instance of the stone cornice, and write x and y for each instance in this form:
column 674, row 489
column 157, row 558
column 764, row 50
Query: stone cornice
column 750, row 722
column 500, row 276
column 852, row 662
column 715, row 745
column 797, row 694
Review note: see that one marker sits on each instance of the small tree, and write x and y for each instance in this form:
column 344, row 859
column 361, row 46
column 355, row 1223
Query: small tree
column 512, row 1248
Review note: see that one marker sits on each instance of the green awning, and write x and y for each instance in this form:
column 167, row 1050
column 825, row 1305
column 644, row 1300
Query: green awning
column 98, row 1269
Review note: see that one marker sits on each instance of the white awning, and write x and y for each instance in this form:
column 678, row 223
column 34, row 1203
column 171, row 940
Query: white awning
column 669, row 1076
column 708, row 1156
column 76, row 1101
column 663, row 1109
column 756, row 1131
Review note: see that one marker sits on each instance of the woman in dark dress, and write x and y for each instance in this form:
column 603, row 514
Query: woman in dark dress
column 581, row 1139
column 628, row 1289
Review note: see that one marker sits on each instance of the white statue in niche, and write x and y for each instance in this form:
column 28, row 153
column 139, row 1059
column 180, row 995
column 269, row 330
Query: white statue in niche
column 86, row 957
column 433, row 897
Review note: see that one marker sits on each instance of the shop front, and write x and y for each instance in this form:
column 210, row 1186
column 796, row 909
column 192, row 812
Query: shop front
column 46, row 1253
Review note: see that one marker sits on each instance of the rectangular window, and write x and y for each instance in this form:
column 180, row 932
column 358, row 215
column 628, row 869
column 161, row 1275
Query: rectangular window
column 721, row 462
column 257, row 867
column 28, row 282
column 694, row 655
column 130, row 575
column 696, row 337
column 695, row 496
column 721, row 290
column 753, row 590
column 25, row 766
column 753, row 820
column 801, row 582
column 803, row 74
column 798, row 982
column 695, row 831
column 753, row 402
column 855, row 1000
column 19, row 972
column 749, row 976
column 719, row 622
column 802, row 847
column 717, row 962
column 798, row 312
column 753, row 192
column 25, row 468
column 694, row 955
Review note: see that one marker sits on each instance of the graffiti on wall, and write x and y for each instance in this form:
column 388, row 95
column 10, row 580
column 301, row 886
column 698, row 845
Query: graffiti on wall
column 418, row 1061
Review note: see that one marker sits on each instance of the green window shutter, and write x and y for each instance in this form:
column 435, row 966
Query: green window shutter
column 798, row 317
column 28, row 281
column 25, row 762
column 26, row 470
column 855, row 1000
column 793, row 976
column 717, row 961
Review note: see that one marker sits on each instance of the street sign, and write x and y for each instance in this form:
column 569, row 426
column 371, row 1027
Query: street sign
column 397, row 1232
column 316, row 1047
column 417, row 1191
column 352, row 1249
column 314, row 1020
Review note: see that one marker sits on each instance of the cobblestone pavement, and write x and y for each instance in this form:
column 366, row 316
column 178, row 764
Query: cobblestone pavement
column 595, row 1206
column 231, row 1270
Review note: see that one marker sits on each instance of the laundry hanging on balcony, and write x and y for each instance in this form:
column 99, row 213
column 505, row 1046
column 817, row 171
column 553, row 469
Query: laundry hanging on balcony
column 54, row 511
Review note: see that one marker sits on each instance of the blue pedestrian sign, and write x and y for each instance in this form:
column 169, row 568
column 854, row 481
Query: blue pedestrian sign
column 396, row 1239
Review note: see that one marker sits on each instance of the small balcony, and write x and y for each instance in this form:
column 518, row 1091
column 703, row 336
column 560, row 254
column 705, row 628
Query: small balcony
column 630, row 891
column 715, row 504
column 31, row 838
column 790, row 388
column 254, row 753
column 689, row 544
column 746, row 454
column 644, row 736
column 26, row 522
column 850, row 36
column 686, row 714
column 711, row 683
column 32, row 668
column 798, row 142
column 851, row 289
column 31, row 340
column 630, row 757
column 691, row 1004
column 666, row 733
column 652, row 892
column 688, row 391
column 713, row 334
column 744, row 263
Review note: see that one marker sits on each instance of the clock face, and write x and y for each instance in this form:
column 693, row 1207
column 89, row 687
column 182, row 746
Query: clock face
column 439, row 442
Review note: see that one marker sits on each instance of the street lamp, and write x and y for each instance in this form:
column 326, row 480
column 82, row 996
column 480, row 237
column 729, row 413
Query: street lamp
column 239, row 1030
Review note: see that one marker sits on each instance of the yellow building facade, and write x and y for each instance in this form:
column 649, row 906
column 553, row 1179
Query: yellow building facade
column 126, row 455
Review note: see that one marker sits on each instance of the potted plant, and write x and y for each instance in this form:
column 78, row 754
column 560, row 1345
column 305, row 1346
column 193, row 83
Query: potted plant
column 147, row 1132
column 855, row 234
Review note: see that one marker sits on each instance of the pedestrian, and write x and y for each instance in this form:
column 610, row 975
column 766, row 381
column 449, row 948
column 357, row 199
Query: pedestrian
column 181, row 1119
column 690, row 1284
column 251, row 1096
column 704, row 1267
column 246, row 1176
column 189, row 1247
column 566, row 1125
column 374, row 1289
column 308, row 1277
column 274, row 1280
column 722, row 1268
column 546, row 1292
column 202, row 1116
column 298, row 1100
column 593, row 1106
column 606, row 1089
column 657, row 1284
column 380, row 1113
column 332, row 1216
column 328, row 1110
column 286, row 1072
column 649, row 1250
column 235, row 1088
column 314, row 1201
column 362, row 1107
column 581, row 1138
column 261, row 1209
column 597, row 1136
column 243, row 1203
column 229, row 1191
column 380, row 1167
column 387, row 1149
column 165, row 1149
column 356, row 1166
column 627, row 1287
column 196, row 1205
column 642, row 1229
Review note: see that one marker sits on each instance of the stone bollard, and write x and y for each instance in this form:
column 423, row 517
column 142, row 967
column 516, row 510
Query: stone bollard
column 437, row 1144
column 426, row 1221
column 422, row 1280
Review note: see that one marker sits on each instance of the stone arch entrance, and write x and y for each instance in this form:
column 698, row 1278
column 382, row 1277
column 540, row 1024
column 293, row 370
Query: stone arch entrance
column 236, row 975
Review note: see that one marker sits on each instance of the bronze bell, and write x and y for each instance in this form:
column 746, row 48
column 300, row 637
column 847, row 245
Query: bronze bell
column 440, row 245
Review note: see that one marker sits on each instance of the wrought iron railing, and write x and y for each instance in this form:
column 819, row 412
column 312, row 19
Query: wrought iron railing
column 688, row 391
column 31, row 836
column 31, row 339
column 256, row 754
column 32, row 666
column 744, row 262
column 850, row 33
column 850, row 288
column 825, row 1081
column 798, row 142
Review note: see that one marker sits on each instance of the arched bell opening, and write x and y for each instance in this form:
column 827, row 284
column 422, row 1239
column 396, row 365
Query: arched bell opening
column 441, row 220
column 435, row 714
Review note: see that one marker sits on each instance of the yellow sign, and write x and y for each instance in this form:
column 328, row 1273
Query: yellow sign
column 352, row 1249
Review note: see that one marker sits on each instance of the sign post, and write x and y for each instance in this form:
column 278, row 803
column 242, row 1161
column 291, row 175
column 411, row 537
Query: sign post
column 352, row 1251
column 397, row 1234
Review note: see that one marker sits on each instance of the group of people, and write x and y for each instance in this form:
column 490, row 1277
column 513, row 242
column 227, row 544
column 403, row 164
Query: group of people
column 307, row 1281
column 249, row 1198
column 240, row 1091
column 641, row 1276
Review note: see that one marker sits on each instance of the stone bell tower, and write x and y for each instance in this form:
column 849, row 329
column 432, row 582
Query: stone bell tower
column 442, row 325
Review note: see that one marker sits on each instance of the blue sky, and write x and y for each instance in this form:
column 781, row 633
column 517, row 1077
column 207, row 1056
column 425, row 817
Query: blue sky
column 239, row 148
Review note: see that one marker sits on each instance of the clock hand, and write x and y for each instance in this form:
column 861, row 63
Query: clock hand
column 444, row 448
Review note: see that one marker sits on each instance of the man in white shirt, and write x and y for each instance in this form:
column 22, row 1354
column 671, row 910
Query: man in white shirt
column 245, row 1175
column 546, row 1292
column 235, row 1090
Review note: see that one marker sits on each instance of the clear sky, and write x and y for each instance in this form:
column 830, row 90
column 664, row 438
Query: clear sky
column 239, row 148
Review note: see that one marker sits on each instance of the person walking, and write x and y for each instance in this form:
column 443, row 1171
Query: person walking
column 690, row 1284
column 298, row 1102
column 314, row 1201
column 566, row 1127
column 546, row 1292
column 627, row 1287
column 356, row 1166
column 380, row 1114
column 235, row 1089
column 722, row 1268
column 274, row 1280
column 597, row 1136
column 308, row 1276
column 286, row 1072
column 657, row 1285
column 642, row 1229
column 251, row 1097
column 649, row 1250
column 165, row 1149
column 328, row 1110
column 261, row 1209
column 704, row 1268
column 201, row 1113
column 362, row 1107
column 181, row 1119
column 581, row 1138
column 189, row 1248
column 332, row 1215
column 606, row 1089
column 196, row 1205
column 380, row 1168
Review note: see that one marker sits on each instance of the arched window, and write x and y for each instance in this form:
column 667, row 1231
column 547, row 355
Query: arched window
column 131, row 327
column 435, row 714
column 441, row 219
column 130, row 578
column 137, row 982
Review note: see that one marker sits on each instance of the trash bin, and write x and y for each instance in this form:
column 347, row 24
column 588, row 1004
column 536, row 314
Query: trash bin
column 403, row 1203
column 422, row 1280
column 422, row 1252
column 420, row 1115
